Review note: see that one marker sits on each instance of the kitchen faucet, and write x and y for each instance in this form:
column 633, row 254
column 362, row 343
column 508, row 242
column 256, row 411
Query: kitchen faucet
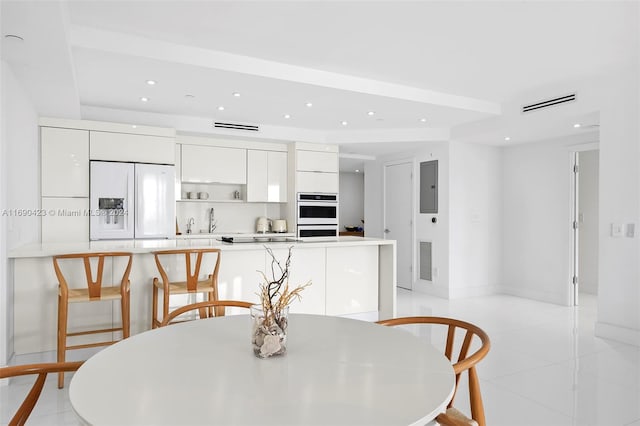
column 190, row 222
column 212, row 221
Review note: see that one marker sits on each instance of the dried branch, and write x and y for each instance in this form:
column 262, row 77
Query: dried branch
column 275, row 294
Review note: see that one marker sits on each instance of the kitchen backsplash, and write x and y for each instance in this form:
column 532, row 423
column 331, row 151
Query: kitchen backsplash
column 229, row 217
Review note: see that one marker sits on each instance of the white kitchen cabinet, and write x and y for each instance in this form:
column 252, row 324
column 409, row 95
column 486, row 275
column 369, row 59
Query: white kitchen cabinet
column 352, row 280
column 317, row 161
column 266, row 176
column 65, row 220
column 64, row 162
column 132, row 148
column 307, row 264
column 317, row 182
column 214, row 164
column 238, row 278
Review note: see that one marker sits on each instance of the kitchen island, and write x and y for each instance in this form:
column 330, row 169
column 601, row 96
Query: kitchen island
column 350, row 276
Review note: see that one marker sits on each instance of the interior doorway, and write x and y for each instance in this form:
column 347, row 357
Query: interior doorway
column 398, row 217
column 586, row 241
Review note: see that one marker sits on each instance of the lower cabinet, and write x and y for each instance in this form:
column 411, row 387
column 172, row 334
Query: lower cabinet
column 307, row 265
column 352, row 280
column 239, row 278
column 65, row 220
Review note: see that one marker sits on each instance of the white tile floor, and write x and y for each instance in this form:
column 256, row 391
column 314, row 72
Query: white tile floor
column 545, row 366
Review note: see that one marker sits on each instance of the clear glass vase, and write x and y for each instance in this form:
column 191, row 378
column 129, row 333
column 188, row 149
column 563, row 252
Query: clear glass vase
column 269, row 332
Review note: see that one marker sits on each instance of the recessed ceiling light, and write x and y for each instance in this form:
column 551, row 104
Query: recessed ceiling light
column 309, row 104
column 371, row 112
column 344, row 123
column 507, row 138
column 134, row 126
column 220, row 108
column 423, row 120
column 236, row 94
column 188, row 95
column 13, row 37
column 286, row 116
column 577, row 125
column 357, row 171
column 151, row 82
column 143, row 99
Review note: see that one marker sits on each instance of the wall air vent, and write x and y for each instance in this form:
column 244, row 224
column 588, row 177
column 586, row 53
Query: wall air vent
column 549, row 103
column 236, row 126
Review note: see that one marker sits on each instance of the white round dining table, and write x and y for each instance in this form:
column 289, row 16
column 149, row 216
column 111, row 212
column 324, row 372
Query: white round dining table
column 336, row 371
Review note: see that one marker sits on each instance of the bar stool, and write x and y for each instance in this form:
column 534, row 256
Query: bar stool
column 191, row 285
column 92, row 291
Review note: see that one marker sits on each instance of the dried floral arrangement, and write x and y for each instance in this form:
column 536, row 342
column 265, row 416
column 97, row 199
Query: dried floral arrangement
column 270, row 330
column 275, row 294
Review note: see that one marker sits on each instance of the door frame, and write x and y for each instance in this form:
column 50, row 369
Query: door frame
column 574, row 151
column 412, row 201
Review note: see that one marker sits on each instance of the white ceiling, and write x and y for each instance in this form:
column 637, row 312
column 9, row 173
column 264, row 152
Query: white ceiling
column 466, row 67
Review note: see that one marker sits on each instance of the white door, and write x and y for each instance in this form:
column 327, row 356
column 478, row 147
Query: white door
column 398, row 217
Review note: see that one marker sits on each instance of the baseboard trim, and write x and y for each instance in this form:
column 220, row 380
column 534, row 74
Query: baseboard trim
column 555, row 298
column 618, row 333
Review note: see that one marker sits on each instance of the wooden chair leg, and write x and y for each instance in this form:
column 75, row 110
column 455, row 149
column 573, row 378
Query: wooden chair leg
column 477, row 408
column 126, row 316
column 62, row 336
column 165, row 304
column 154, row 306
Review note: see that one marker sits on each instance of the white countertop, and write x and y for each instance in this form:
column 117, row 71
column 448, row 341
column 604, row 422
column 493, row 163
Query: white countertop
column 147, row 246
column 198, row 235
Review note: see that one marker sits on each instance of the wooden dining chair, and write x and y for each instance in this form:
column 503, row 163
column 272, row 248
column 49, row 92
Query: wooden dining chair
column 192, row 284
column 463, row 362
column 41, row 370
column 92, row 289
column 203, row 309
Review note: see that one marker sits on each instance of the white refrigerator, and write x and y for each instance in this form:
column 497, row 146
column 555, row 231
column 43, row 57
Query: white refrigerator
column 131, row 200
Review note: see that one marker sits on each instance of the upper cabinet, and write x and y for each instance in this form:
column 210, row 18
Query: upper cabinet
column 317, row 161
column 214, row 164
column 316, row 168
column 111, row 146
column 65, row 162
column 266, row 176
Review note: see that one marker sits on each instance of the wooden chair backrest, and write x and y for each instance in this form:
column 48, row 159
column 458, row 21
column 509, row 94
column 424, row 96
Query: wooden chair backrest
column 41, row 370
column 192, row 273
column 464, row 361
column 204, row 313
column 94, row 285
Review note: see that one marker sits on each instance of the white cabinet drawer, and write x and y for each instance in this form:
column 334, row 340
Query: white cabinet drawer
column 67, row 220
column 352, row 280
column 214, row 164
column 134, row 148
column 317, row 182
column 314, row 161
column 65, row 162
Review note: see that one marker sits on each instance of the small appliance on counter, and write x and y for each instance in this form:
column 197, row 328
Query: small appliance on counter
column 279, row 226
column 263, row 225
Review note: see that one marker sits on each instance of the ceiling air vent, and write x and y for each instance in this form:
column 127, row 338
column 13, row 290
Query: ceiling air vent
column 549, row 103
column 235, row 126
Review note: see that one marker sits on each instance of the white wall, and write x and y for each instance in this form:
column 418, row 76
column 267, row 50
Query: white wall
column 424, row 230
column 19, row 188
column 588, row 222
column 351, row 199
column 230, row 217
column 537, row 233
column 475, row 226
column 619, row 258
